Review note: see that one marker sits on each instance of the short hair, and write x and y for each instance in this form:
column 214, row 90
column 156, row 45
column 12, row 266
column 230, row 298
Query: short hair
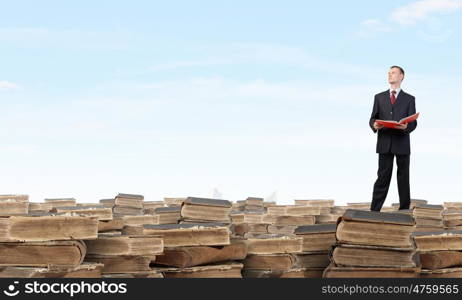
column 399, row 68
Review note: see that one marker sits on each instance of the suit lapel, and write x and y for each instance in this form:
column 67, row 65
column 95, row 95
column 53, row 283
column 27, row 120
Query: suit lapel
column 387, row 101
column 400, row 98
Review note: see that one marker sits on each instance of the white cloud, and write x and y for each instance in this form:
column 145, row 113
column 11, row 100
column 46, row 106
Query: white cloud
column 421, row 10
column 6, row 85
column 212, row 61
column 72, row 39
column 90, row 125
column 19, row 149
column 412, row 14
column 373, row 27
column 219, row 90
column 261, row 53
column 435, row 37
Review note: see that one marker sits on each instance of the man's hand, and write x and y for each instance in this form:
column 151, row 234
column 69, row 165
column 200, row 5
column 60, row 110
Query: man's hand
column 378, row 126
column 401, row 126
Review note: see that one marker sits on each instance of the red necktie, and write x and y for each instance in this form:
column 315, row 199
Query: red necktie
column 393, row 98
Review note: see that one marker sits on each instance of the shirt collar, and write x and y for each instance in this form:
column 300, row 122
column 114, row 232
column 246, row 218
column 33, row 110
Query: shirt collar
column 397, row 91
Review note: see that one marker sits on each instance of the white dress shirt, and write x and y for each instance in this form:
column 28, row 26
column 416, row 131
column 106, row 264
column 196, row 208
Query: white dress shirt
column 397, row 92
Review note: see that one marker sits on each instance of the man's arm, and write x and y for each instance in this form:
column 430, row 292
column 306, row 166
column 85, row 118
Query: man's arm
column 374, row 114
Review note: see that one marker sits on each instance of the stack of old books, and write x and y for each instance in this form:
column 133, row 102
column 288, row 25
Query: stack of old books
column 178, row 201
column 452, row 215
column 46, row 245
column 201, row 237
column 310, row 262
column 340, row 210
column 194, row 250
column 428, row 217
column 251, row 210
column 59, row 202
column 239, row 205
column 100, row 212
column 200, row 246
column 248, row 222
column 254, row 203
column 273, row 255
column 267, row 204
column 413, row 203
column 128, row 209
column 125, row 255
column 16, row 197
column 121, row 255
column 237, row 216
column 150, row 206
column 293, row 215
column 359, row 205
column 276, row 243
column 326, row 216
column 278, row 225
column 204, row 210
column 114, row 224
column 11, row 205
column 374, row 244
column 167, row 211
column 440, row 253
column 366, row 206
column 40, row 207
column 167, row 214
column 278, row 219
column 317, row 242
column 242, row 207
column 127, row 204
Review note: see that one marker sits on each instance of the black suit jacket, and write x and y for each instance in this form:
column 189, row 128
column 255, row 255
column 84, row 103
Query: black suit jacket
column 389, row 140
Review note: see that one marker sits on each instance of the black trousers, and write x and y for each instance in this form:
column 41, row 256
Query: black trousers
column 384, row 177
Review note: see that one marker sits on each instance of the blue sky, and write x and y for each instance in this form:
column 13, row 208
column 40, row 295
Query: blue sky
column 250, row 98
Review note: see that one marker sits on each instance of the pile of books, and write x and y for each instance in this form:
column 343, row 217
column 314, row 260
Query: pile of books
column 125, row 204
column 440, row 253
column 174, row 202
column 326, row 215
column 428, row 217
column 43, row 244
column 125, row 255
column 193, row 237
column 190, row 248
column 272, row 255
column 308, row 261
column 280, row 239
column 452, row 215
column 374, row 244
column 11, row 205
column 200, row 246
column 413, row 203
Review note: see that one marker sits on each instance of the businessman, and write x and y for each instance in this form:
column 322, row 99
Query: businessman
column 393, row 104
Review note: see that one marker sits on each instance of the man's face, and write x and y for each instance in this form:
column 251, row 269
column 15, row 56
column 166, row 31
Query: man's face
column 395, row 76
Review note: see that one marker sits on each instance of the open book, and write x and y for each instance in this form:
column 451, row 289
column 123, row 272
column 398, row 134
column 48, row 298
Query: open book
column 394, row 124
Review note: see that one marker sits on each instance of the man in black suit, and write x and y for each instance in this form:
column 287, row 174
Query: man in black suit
column 393, row 104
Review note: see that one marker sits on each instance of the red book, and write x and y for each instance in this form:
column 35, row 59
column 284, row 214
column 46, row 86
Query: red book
column 394, row 124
